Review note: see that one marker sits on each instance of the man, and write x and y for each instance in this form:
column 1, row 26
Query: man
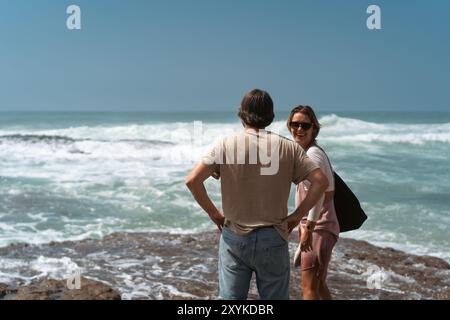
column 256, row 168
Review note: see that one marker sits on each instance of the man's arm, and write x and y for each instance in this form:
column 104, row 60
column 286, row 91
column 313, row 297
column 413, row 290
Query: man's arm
column 319, row 183
column 195, row 182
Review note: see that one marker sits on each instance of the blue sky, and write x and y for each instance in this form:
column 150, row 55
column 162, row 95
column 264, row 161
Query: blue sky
column 205, row 54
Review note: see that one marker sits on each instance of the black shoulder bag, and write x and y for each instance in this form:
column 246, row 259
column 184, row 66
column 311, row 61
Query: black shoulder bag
column 349, row 213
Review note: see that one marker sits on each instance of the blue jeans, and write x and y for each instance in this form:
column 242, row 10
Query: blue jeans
column 264, row 252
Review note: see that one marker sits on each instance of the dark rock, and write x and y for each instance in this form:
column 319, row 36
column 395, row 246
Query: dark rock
column 49, row 289
column 174, row 266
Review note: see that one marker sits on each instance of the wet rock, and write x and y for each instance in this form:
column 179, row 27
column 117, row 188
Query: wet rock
column 178, row 266
column 49, row 289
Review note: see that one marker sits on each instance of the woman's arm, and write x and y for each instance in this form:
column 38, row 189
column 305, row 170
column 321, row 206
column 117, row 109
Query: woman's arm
column 319, row 184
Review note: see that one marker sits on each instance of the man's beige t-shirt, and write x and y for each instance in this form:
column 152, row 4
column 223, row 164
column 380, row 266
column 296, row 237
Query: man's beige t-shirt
column 256, row 170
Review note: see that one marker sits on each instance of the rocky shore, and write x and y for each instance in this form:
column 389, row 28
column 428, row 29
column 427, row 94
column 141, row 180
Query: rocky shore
column 181, row 266
column 50, row 289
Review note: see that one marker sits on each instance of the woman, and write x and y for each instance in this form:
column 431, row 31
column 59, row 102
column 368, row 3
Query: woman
column 318, row 233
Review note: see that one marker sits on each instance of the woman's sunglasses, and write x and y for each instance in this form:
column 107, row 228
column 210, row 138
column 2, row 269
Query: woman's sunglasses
column 303, row 125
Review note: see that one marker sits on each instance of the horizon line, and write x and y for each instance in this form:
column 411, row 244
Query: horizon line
column 212, row 110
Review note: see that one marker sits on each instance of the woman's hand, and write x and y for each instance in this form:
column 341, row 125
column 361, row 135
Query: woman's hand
column 306, row 236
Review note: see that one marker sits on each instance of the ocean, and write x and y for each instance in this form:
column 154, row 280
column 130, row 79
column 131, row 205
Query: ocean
column 72, row 176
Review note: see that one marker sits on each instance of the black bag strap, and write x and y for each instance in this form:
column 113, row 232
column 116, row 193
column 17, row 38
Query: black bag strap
column 326, row 155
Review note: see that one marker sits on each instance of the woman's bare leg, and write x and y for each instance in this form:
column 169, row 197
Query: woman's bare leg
column 324, row 292
column 310, row 285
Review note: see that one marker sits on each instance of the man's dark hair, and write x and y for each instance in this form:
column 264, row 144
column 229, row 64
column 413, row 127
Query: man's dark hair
column 256, row 109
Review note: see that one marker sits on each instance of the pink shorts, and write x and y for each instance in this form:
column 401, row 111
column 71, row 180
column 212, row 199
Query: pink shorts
column 323, row 243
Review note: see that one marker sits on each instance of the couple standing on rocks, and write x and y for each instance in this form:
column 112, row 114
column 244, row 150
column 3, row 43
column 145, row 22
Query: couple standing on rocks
column 256, row 168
